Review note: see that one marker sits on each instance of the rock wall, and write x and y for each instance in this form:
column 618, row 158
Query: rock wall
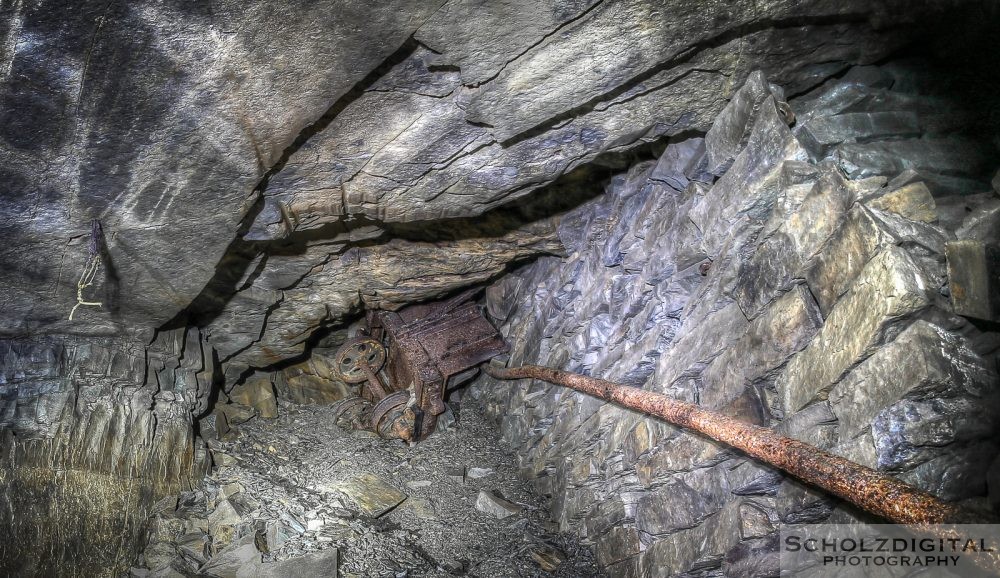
column 262, row 171
column 95, row 433
column 775, row 274
column 162, row 121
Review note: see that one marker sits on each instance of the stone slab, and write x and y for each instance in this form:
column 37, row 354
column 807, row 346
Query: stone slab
column 913, row 201
column 923, row 361
column 778, row 333
column 974, row 278
column 888, row 289
column 373, row 495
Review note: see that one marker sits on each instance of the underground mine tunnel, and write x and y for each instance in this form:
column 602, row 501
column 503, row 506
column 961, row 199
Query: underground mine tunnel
column 625, row 288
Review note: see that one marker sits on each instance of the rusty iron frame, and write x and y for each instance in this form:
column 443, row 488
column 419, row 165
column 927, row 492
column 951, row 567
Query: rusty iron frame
column 426, row 346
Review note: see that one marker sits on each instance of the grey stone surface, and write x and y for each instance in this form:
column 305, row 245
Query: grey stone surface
column 983, row 223
column 911, row 431
column 825, row 131
column 312, row 381
column 424, row 161
column 758, row 166
column 858, row 238
column 777, row 334
column 972, row 280
column 755, row 520
column 888, row 289
column 924, row 361
column 812, row 206
column 941, row 156
column 85, row 453
column 370, row 493
column 317, row 288
column 878, row 121
column 913, row 201
column 263, row 172
column 586, row 63
column 752, row 558
column 948, row 474
column 482, row 38
column 781, row 284
column 490, row 503
column 729, row 134
column 159, row 121
column 815, row 425
column 295, row 519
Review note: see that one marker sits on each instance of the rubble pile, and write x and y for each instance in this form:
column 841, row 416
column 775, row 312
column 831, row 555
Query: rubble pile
column 299, row 496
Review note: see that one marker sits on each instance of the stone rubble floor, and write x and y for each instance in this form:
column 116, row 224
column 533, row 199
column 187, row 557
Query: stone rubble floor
column 300, row 484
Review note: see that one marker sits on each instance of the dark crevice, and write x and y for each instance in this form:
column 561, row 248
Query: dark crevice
column 405, row 51
column 240, row 253
column 576, row 18
column 570, row 191
column 687, row 55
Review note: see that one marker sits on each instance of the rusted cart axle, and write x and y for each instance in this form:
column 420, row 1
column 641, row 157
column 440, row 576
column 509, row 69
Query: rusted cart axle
column 864, row 487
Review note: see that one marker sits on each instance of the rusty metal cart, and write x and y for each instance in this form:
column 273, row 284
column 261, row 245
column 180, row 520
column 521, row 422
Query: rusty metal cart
column 408, row 359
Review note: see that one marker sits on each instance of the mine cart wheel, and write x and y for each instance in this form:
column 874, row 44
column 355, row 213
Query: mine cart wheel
column 394, row 401
column 349, row 357
column 345, row 405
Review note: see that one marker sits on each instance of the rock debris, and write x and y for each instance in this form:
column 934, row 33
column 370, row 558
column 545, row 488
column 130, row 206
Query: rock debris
column 298, row 492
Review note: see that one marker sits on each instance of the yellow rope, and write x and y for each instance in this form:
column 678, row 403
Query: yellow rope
column 86, row 280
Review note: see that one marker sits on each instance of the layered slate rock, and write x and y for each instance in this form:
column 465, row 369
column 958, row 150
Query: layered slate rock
column 262, row 171
column 890, row 120
column 890, row 288
column 428, row 156
column 328, row 285
column 159, row 121
column 785, row 293
column 86, row 455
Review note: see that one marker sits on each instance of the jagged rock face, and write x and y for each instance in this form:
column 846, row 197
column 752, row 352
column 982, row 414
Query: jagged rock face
column 785, row 293
column 262, row 171
column 94, row 434
column 271, row 318
column 160, row 120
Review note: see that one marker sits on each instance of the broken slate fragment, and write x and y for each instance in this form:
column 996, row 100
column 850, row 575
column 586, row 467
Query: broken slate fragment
column 489, row 503
column 293, row 522
column 456, row 473
column 241, row 558
column 913, row 201
column 973, row 279
column 477, row 473
column 547, row 557
column 231, row 489
column 452, row 566
column 374, row 496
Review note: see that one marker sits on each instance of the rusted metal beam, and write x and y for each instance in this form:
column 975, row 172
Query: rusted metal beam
column 864, row 487
column 374, row 383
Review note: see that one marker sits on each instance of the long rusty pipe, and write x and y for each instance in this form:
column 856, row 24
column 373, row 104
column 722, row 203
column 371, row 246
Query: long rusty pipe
column 864, row 487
